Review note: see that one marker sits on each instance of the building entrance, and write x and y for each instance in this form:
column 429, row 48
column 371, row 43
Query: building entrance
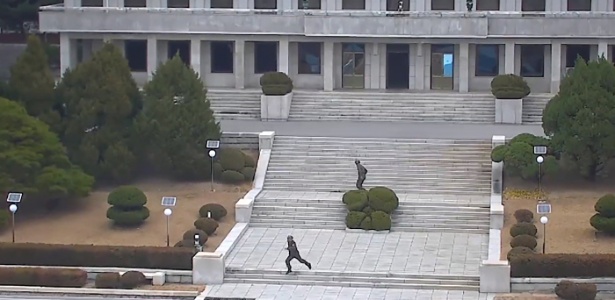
column 442, row 70
column 353, row 66
column 398, row 66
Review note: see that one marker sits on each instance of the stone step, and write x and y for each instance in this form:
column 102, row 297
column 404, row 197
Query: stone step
column 418, row 221
column 460, row 206
column 378, row 171
column 408, row 218
column 354, row 279
column 442, row 189
column 275, row 224
column 426, row 179
column 398, row 228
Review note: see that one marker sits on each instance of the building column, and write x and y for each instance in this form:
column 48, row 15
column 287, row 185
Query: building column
column 464, row 67
column 152, row 57
column 327, row 67
column 240, row 64
column 603, row 49
column 66, row 52
column 509, row 58
column 283, row 54
column 374, row 67
column 195, row 55
column 556, row 66
column 419, row 67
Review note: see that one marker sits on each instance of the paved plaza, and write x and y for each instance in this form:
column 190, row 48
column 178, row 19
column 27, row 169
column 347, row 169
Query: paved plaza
column 337, row 250
column 298, row 292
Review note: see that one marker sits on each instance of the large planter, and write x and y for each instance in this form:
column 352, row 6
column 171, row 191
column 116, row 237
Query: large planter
column 275, row 108
column 508, row 111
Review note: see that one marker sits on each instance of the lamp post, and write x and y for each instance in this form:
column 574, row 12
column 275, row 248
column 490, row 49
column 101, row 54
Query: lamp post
column 539, row 160
column 197, row 243
column 13, row 209
column 212, row 154
column 168, row 212
column 544, row 220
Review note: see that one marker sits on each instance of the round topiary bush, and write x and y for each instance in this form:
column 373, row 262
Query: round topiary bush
column 524, row 215
column 519, row 251
column 355, row 200
column 132, row 279
column 189, row 236
column 524, row 240
column 498, row 153
column 587, row 291
column 232, row 159
column 109, row 280
column 218, row 170
column 509, row 86
column 381, row 221
column 250, row 161
column 523, row 228
column 124, row 217
column 213, row 210
column 602, row 223
column 354, row 219
column 382, row 199
column 605, row 206
column 206, row 224
column 185, row 244
column 232, row 177
column 248, row 173
column 366, row 224
column 276, row 84
column 566, row 289
column 127, row 197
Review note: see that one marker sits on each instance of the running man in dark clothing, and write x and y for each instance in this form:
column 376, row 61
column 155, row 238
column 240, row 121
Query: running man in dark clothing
column 293, row 253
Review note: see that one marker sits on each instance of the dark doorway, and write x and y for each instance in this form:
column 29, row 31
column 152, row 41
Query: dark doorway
column 398, row 66
column 181, row 48
column 265, row 57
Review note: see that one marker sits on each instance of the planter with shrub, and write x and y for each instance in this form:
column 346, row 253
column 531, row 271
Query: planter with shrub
column 277, row 96
column 604, row 219
column 45, row 277
column 127, row 206
column 370, row 210
column 234, row 166
column 509, row 91
column 132, row 279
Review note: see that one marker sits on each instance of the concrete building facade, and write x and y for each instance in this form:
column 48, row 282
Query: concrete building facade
column 343, row 44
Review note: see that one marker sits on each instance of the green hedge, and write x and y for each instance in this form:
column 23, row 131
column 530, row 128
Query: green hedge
column 509, row 86
column 355, row 200
column 563, row 265
column 276, row 84
column 96, row 256
column 604, row 219
column 217, row 211
column 46, row 277
column 382, row 199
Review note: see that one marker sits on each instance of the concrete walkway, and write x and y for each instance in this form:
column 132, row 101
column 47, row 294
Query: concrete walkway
column 350, row 129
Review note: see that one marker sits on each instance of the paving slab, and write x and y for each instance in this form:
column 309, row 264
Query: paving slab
column 298, row 292
column 336, row 250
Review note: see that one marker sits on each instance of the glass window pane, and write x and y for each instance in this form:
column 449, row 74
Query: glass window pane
column 308, row 4
column 488, row 5
column 442, row 4
column 265, row 4
column 135, row 3
column 178, row 3
column 398, row 5
column 487, row 60
column 359, row 64
column 309, row 58
column 221, row 3
column 533, row 5
column 91, row 3
column 532, row 60
column 348, row 63
column 353, row 4
column 579, row 5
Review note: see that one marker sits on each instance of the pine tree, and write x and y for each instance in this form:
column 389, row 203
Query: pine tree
column 177, row 121
column 101, row 101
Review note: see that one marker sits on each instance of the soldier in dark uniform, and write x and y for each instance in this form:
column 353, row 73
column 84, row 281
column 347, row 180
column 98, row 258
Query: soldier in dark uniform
column 362, row 172
column 293, row 253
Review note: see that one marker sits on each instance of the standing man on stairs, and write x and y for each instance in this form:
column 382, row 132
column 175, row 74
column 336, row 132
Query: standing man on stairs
column 362, row 173
column 293, row 253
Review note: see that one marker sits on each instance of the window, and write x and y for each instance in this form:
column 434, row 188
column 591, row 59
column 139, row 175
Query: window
column 265, row 57
column 353, row 4
column 221, row 3
column 181, row 48
column 135, row 3
column 533, row 5
column 265, row 4
column 489, row 5
column 309, row 58
column 308, row 4
column 442, row 4
column 136, row 54
column 579, row 5
column 487, row 60
column 573, row 52
column 532, row 60
column 178, row 3
column 91, row 3
column 398, row 5
column 222, row 57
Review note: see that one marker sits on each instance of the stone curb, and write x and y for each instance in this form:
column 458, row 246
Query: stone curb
column 95, row 292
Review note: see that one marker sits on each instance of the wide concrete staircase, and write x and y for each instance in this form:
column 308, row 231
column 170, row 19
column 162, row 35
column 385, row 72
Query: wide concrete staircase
column 533, row 107
column 410, row 106
column 235, row 104
column 353, row 279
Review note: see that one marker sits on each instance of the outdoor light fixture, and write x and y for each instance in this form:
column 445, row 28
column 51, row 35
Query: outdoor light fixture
column 168, row 212
column 544, row 220
column 212, row 146
column 539, row 160
column 13, row 209
column 14, row 199
column 197, row 242
column 168, row 202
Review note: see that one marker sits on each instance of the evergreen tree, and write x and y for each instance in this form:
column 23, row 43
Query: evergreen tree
column 33, row 161
column 32, row 83
column 177, row 121
column 14, row 13
column 580, row 119
column 100, row 100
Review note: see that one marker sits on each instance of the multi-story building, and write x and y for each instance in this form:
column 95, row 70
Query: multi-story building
column 337, row 44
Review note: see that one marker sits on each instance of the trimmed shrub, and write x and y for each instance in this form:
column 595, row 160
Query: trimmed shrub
column 499, row 153
column 354, row 219
column 208, row 225
column 127, row 197
column 217, row 211
column 232, row 177
column 130, row 217
column 250, row 161
column 46, row 277
column 368, row 210
column 355, row 200
column 366, row 224
column 602, row 223
column 132, row 279
column 382, row 199
column 563, row 265
column 531, row 139
column 586, row 291
column 276, row 84
column 381, row 221
column 523, row 228
column 232, row 159
column 524, row 240
column 248, row 173
column 189, row 236
column 95, row 256
column 509, row 86
column 566, row 289
column 524, row 215
column 519, row 251
column 218, row 171
column 110, row 280
column 604, row 219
